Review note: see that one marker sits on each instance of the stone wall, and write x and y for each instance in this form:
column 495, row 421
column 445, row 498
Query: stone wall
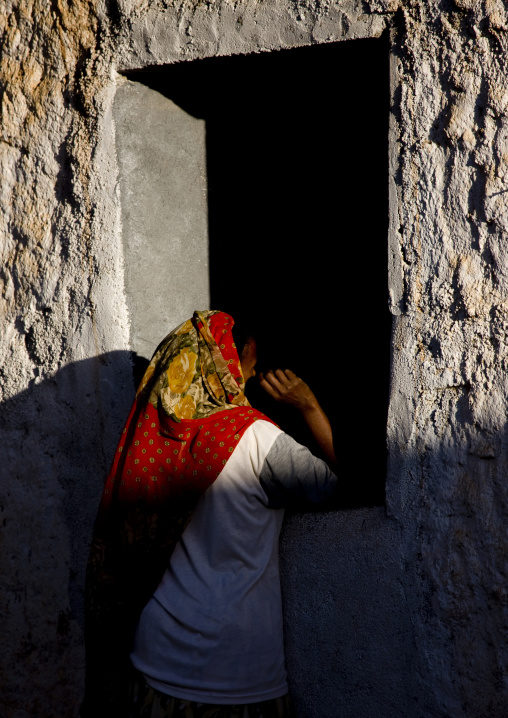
column 64, row 338
column 447, row 421
column 421, row 586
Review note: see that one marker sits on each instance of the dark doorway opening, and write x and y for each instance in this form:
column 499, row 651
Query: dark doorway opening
column 297, row 169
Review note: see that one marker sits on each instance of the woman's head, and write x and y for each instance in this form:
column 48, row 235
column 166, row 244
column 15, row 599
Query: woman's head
column 246, row 347
column 248, row 359
column 242, row 335
column 196, row 369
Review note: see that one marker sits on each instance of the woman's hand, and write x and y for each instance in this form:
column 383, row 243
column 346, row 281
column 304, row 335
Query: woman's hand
column 285, row 387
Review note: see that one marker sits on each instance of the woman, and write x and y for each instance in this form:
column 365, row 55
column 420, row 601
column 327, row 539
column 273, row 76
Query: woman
column 197, row 492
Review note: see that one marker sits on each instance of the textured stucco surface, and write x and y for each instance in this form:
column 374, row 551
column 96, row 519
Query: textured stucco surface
column 421, row 585
column 349, row 643
column 62, row 314
column 447, row 421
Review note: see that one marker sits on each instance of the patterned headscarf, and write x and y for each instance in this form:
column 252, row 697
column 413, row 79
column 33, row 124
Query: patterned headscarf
column 188, row 416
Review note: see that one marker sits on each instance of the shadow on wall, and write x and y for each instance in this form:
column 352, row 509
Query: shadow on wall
column 346, row 574
column 59, row 437
column 58, row 441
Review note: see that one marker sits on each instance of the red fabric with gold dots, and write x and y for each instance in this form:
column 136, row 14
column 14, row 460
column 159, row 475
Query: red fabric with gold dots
column 158, row 458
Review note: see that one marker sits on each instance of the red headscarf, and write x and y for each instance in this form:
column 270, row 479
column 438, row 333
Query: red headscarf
column 188, row 416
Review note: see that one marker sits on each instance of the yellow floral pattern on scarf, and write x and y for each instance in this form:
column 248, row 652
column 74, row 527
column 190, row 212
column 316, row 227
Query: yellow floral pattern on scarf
column 215, row 385
column 188, row 377
column 181, row 371
column 185, row 408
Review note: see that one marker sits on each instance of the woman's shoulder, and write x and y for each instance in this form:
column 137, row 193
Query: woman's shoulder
column 255, row 444
column 262, row 430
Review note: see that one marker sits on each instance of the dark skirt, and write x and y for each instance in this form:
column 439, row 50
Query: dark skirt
column 146, row 702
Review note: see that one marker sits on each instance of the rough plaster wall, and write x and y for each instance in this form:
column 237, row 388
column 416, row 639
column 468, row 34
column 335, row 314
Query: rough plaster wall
column 206, row 28
column 349, row 643
column 64, row 357
column 62, row 315
column 447, row 423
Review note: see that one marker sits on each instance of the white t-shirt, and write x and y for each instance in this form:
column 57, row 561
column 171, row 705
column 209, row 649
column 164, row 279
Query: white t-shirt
column 212, row 631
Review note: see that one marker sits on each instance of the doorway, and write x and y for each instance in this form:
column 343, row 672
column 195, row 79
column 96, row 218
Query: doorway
column 297, row 189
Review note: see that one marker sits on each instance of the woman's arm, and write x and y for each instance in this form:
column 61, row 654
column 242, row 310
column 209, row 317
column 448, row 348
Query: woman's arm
column 285, row 387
